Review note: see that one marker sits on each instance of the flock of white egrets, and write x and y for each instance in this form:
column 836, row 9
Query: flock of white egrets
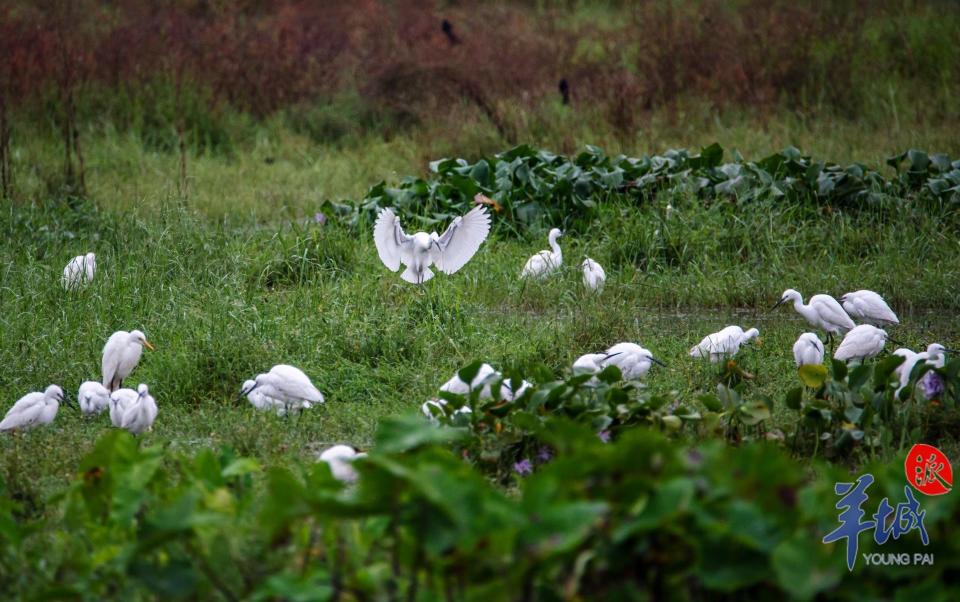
column 285, row 389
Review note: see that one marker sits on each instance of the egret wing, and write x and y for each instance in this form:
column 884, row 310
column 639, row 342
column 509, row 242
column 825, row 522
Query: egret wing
column 830, row 309
column 462, row 240
column 390, row 239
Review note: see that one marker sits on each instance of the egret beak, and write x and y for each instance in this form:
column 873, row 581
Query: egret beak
column 656, row 361
column 147, row 344
column 893, row 340
column 782, row 299
column 608, row 356
column 951, row 350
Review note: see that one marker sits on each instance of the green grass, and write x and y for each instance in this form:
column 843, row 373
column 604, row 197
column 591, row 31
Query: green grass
column 234, row 278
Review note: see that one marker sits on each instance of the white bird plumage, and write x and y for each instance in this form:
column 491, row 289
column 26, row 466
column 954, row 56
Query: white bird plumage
column 259, row 400
column 33, row 410
column 120, row 401
column 861, row 342
column 287, row 385
column 823, row 312
column 440, row 405
column 808, row 350
column 723, row 344
column 593, row 274
column 121, row 355
column 633, row 360
column 589, row 363
column 484, row 379
column 545, row 262
column 418, row 252
column 868, row 307
column 140, row 415
column 93, row 397
column 79, row 272
column 340, row 459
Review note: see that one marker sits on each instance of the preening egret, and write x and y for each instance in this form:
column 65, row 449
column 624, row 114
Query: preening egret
column 861, row 342
column 633, row 360
column 121, row 400
column 139, row 416
column 340, row 459
column 723, row 344
column 808, row 349
column 545, row 262
column 93, row 397
column 869, row 307
column 822, row 312
column 33, row 410
column 287, row 385
column 79, row 272
column 593, row 274
column 449, row 252
column 121, row 355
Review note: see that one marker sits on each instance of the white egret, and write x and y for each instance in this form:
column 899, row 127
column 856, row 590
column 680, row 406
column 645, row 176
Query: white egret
column 903, row 371
column 440, row 404
column 139, row 416
column 121, row 355
column 483, row 380
column 288, row 385
column 545, row 262
column 33, row 410
column 120, row 401
column 79, row 272
column 508, row 394
column 449, row 252
column 808, row 349
column 823, row 312
column 93, row 397
column 935, row 355
column 589, row 363
column 259, row 400
column 723, row 344
column 861, row 342
column 633, row 360
column 593, row 275
column 868, row 307
column 340, row 459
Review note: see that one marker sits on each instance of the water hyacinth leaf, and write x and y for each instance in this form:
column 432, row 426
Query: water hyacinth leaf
column 404, row 433
column 839, row 369
column 804, row 567
column 711, row 402
column 859, row 376
column 884, row 370
column 813, row 375
column 794, row 398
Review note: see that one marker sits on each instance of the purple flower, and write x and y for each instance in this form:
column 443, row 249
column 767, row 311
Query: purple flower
column 604, row 436
column 320, row 218
column 523, row 467
column 545, row 454
column 932, row 385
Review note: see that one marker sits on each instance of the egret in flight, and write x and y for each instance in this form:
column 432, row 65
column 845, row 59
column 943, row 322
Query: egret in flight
column 593, row 275
column 869, row 307
column 822, row 312
column 723, row 344
column 121, row 355
column 545, row 262
column 33, row 410
column 448, row 252
column 93, row 397
column 808, row 349
column 861, row 342
column 79, row 272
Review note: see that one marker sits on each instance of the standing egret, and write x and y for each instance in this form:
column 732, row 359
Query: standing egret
column 589, row 363
column 121, row 355
column 935, row 355
column 903, row 371
column 120, row 401
column 449, row 252
column 861, row 342
column 139, row 416
column 869, row 307
column 593, row 275
column 287, row 385
column 339, row 458
column 483, row 379
column 822, row 312
column 440, row 404
column 723, row 344
column 633, row 360
column 79, row 272
column 808, row 350
column 508, row 394
column 545, row 262
column 33, row 410
column 93, row 397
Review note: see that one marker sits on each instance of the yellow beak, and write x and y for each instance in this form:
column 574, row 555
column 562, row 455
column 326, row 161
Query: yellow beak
column 148, row 345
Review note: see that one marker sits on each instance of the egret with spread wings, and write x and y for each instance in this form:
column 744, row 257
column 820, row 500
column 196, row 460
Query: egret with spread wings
column 448, row 252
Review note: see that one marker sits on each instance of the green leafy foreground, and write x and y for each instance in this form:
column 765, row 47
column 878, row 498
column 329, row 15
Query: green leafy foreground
column 647, row 515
